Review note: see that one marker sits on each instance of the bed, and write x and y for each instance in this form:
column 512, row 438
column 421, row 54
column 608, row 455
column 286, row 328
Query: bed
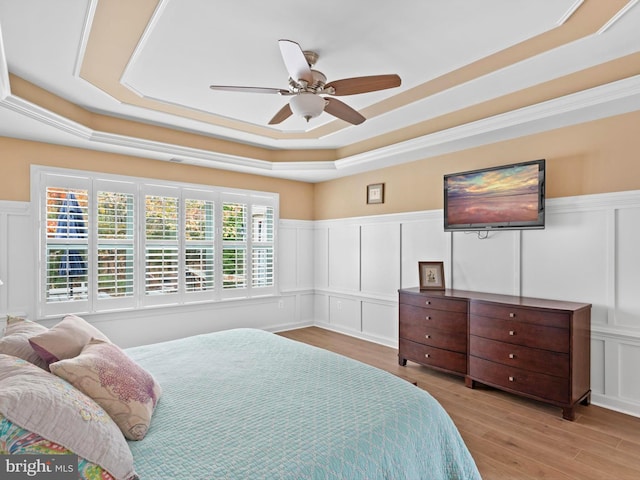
column 238, row 404
column 244, row 404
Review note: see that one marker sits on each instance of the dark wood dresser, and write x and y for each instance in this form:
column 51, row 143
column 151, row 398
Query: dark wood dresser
column 531, row 347
column 433, row 330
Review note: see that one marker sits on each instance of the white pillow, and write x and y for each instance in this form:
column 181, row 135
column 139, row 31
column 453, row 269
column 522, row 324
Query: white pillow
column 44, row 404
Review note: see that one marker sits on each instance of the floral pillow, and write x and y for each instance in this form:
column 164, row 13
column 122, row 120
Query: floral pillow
column 46, row 405
column 65, row 340
column 16, row 340
column 15, row 440
column 126, row 391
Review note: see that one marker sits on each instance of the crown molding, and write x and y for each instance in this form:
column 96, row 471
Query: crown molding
column 611, row 99
column 5, row 86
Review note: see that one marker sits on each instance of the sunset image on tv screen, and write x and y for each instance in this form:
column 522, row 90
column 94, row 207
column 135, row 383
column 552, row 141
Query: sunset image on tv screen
column 505, row 195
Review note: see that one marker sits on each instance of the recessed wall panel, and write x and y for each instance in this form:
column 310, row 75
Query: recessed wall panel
column 380, row 321
column 628, row 267
column 344, row 258
column 380, row 259
column 421, row 241
column 305, row 255
column 485, row 264
column 321, row 258
column 568, row 260
column 344, row 313
column 287, row 258
column 629, row 355
column 597, row 365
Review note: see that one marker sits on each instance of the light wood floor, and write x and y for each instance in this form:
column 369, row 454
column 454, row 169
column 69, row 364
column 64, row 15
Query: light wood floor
column 510, row 437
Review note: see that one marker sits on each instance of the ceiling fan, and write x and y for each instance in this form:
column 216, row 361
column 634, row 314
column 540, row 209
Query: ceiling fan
column 306, row 87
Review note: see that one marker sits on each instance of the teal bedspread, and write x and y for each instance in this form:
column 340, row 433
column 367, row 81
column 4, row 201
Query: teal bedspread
column 246, row 404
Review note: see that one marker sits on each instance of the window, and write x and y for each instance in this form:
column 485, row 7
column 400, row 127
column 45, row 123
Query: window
column 118, row 243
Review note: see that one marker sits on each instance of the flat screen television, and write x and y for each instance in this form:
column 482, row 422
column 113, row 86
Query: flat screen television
column 508, row 197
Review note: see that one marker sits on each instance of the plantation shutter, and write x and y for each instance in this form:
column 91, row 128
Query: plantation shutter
column 65, row 277
column 262, row 246
column 161, row 245
column 116, row 244
column 199, row 240
column 234, row 246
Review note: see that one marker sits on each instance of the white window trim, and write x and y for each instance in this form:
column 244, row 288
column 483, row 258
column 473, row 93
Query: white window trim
column 42, row 176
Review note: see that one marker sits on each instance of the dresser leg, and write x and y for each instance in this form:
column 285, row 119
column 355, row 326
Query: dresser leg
column 569, row 413
column 402, row 361
column 469, row 383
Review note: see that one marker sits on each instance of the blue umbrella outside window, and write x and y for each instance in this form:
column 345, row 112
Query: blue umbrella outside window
column 71, row 224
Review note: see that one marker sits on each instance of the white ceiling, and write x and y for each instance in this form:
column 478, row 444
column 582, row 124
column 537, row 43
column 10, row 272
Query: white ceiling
column 187, row 45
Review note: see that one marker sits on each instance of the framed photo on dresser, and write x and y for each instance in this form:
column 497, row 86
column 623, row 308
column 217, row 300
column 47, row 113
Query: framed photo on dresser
column 431, row 275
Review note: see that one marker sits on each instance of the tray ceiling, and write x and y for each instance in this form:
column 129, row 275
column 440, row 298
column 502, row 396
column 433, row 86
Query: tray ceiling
column 118, row 76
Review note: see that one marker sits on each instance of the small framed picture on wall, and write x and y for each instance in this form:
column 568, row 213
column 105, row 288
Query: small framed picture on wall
column 375, row 193
column 431, row 275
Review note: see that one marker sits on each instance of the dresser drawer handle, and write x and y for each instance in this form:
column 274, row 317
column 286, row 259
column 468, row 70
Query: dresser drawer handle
column 512, row 315
column 512, row 379
column 427, row 355
column 512, row 355
column 427, row 302
column 428, row 317
column 512, row 332
column 427, row 336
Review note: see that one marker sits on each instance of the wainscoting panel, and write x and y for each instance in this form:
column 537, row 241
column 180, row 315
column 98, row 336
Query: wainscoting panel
column 287, row 263
column 380, row 321
column 569, row 260
column 629, row 354
column 627, row 301
column 597, row 365
column 296, row 255
column 488, row 264
column 17, row 259
column 304, row 255
column 344, row 258
column 344, row 314
column 320, row 249
column 422, row 241
column 380, row 259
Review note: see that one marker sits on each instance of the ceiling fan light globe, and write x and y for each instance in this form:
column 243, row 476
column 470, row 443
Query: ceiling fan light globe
column 307, row 105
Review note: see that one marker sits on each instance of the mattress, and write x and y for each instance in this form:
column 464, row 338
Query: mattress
column 248, row 404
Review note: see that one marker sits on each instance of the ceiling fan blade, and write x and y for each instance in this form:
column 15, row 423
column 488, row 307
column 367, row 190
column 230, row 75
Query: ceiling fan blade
column 295, row 61
column 343, row 111
column 284, row 113
column 230, row 88
column 352, row 86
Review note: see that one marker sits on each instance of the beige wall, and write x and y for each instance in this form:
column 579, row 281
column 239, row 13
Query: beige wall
column 17, row 156
column 596, row 157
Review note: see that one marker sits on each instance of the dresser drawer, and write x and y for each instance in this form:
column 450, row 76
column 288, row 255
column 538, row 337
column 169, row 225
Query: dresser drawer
column 423, row 332
column 521, row 333
column 434, row 302
column 435, row 357
column 418, row 317
column 548, row 318
column 543, row 386
column 533, row 359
